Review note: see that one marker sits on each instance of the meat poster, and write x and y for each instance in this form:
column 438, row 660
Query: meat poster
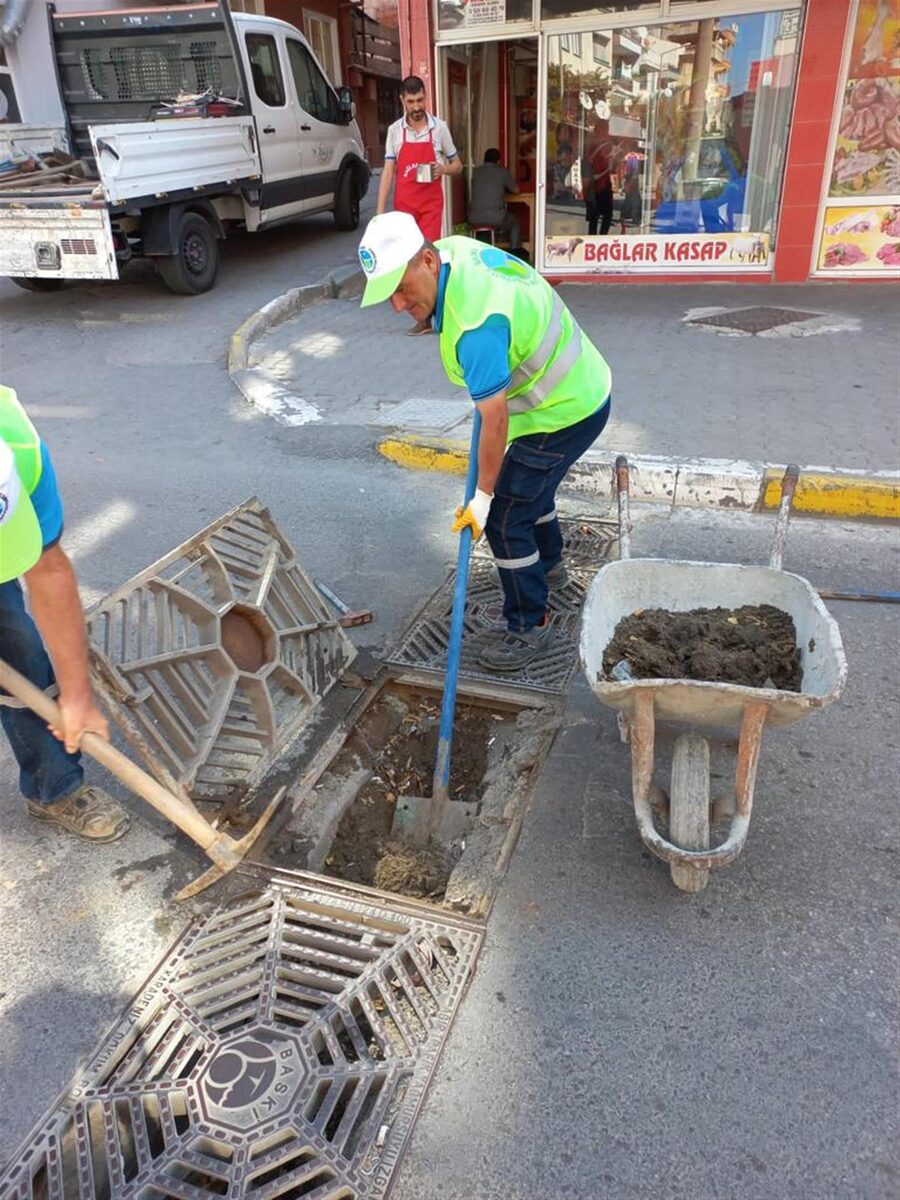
column 864, row 239
column 867, row 154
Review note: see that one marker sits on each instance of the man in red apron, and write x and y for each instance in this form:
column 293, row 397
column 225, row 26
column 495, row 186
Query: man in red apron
column 419, row 150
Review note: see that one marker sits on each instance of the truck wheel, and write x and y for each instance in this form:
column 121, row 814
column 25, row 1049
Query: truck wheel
column 194, row 267
column 346, row 202
column 37, row 285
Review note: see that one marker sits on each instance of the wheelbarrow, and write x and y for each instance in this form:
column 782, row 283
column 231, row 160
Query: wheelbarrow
column 698, row 709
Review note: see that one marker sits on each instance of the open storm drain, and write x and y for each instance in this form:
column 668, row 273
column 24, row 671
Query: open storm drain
column 282, row 1049
column 424, row 646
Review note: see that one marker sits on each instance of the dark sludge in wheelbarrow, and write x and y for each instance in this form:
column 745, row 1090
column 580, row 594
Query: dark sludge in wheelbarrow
column 363, row 850
column 755, row 646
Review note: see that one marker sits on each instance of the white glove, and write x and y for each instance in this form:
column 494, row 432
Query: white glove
column 474, row 514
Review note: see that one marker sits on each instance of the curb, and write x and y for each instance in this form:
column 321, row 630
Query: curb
column 340, row 284
column 690, row 483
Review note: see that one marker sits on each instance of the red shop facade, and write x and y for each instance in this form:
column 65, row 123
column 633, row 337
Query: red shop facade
column 752, row 140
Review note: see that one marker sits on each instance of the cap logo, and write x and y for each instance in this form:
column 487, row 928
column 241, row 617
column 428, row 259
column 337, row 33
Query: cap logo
column 367, row 258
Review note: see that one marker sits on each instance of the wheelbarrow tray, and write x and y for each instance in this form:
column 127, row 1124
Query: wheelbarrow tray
column 630, row 585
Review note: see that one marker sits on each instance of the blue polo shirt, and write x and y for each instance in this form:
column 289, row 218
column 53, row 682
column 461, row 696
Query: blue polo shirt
column 482, row 353
column 47, row 503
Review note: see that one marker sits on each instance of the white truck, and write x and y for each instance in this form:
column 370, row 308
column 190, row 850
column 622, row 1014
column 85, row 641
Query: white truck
column 273, row 141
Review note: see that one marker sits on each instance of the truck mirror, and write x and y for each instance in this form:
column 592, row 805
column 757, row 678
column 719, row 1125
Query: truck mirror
column 345, row 96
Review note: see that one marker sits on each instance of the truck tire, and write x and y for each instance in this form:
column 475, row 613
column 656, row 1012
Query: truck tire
column 193, row 268
column 37, row 285
column 346, row 201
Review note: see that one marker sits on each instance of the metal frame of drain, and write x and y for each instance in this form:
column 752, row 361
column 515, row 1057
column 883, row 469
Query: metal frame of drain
column 282, row 1048
column 424, row 645
column 754, row 319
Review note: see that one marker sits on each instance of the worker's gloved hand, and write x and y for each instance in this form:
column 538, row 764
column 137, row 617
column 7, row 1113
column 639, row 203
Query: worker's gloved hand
column 474, row 514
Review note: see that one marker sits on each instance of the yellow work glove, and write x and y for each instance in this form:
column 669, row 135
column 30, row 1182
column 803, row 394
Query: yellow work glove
column 474, row 514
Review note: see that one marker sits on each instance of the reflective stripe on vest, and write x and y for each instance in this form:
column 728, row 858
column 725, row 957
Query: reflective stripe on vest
column 558, row 369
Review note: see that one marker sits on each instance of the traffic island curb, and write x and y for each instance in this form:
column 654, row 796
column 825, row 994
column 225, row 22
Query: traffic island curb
column 691, row 483
column 340, row 284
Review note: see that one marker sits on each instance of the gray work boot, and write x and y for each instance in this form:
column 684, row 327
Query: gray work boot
column 557, row 577
column 514, row 650
column 89, row 813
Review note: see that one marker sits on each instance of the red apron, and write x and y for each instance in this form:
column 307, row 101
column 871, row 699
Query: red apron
column 424, row 201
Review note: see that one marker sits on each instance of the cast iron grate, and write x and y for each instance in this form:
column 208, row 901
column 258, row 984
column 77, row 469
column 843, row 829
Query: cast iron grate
column 757, row 319
column 281, row 1049
column 424, row 645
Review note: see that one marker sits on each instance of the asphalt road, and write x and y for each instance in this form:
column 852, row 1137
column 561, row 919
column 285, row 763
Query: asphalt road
column 618, row 1041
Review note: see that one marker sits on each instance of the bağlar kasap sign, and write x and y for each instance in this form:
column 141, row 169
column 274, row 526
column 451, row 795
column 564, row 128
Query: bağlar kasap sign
column 657, row 251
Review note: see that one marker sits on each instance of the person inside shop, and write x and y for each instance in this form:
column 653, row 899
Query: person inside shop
column 491, row 184
column 562, row 174
column 419, row 150
column 597, row 175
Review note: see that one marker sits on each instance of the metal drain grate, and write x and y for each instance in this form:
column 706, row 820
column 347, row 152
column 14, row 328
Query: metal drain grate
column 282, row 1049
column 212, row 659
column 424, row 645
column 757, row 319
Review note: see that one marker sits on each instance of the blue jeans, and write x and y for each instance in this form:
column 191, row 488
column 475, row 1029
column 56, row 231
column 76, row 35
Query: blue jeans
column 46, row 771
column 522, row 527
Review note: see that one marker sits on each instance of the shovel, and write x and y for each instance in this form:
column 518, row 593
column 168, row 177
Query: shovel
column 417, row 819
column 226, row 852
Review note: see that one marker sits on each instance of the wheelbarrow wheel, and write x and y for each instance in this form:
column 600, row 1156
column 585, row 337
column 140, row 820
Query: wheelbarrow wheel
column 689, row 807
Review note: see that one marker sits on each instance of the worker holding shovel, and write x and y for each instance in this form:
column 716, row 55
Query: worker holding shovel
column 542, row 389
column 50, row 773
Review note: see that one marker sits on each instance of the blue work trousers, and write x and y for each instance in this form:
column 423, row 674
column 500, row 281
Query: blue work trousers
column 522, row 527
column 46, row 771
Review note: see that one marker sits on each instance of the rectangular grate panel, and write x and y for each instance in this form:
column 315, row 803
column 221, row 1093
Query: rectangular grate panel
column 424, row 646
column 756, row 319
column 281, row 1049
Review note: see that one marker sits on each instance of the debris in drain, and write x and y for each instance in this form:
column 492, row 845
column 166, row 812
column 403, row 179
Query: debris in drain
column 755, row 646
column 363, row 850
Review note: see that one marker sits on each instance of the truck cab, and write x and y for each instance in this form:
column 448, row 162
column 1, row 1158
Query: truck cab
column 181, row 124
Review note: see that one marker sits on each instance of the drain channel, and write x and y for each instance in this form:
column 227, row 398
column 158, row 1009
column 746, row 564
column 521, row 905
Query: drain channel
column 587, row 546
column 281, row 1049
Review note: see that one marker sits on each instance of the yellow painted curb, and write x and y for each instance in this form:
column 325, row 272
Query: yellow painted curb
column 835, row 495
column 426, row 454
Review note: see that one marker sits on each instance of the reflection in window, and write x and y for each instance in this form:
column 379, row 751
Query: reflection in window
column 583, row 8
column 679, row 128
column 265, row 70
column 313, row 93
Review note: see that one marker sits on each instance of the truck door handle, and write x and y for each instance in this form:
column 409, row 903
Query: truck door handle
column 306, row 128
column 268, row 129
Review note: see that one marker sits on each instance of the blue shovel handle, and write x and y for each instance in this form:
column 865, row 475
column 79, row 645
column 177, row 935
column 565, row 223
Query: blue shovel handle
column 441, row 785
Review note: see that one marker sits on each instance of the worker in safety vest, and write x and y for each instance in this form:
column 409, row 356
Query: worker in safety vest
column 31, row 518
column 543, row 391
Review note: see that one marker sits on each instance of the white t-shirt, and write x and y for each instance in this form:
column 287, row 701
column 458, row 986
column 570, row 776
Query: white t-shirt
column 443, row 141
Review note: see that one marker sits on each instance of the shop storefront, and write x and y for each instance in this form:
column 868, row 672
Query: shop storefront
column 678, row 138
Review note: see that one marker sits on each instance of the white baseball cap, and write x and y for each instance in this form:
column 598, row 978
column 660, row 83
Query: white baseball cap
column 390, row 241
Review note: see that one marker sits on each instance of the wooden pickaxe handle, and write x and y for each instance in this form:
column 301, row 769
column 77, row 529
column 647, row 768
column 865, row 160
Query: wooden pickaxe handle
column 180, row 812
column 349, row 616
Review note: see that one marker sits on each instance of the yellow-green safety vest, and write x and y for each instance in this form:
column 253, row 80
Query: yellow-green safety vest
column 22, row 438
column 558, row 377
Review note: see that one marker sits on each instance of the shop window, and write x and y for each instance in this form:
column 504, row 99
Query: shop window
column 264, row 67
column 551, row 9
column 313, row 92
column 454, row 15
column 669, row 132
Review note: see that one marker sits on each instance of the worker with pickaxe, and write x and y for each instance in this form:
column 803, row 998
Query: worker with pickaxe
column 542, row 388
column 31, row 518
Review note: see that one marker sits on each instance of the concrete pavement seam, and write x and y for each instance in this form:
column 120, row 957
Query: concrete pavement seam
column 691, row 483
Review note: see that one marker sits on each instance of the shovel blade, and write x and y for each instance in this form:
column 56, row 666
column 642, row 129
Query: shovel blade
column 418, row 819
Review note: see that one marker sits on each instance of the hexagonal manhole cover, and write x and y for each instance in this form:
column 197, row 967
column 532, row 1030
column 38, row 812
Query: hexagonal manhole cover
column 212, row 659
column 283, row 1048
column 756, row 319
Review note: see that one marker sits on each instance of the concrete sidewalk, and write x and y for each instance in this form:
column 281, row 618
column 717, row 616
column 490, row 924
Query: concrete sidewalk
column 821, row 392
